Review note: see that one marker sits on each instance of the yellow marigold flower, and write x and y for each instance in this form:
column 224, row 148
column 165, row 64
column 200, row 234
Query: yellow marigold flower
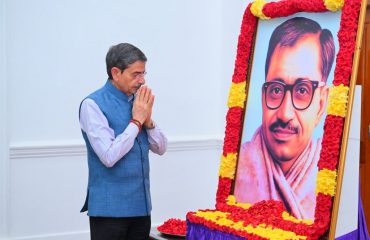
column 228, row 165
column 273, row 233
column 237, row 95
column 334, row 5
column 263, row 230
column 288, row 217
column 212, row 215
column 338, row 98
column 326, row 182
column 220, row 218
column 232, row 202
column 257, row 7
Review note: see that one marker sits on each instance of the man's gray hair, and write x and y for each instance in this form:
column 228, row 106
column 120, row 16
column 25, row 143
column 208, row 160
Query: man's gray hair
column 121, row 56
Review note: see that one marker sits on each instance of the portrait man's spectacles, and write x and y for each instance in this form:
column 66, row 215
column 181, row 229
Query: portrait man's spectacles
column 302, row 92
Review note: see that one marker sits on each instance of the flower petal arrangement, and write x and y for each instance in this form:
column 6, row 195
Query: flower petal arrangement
column 173, row 226
column 269, row 219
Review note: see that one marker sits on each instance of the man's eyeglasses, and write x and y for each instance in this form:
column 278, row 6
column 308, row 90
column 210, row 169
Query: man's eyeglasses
column 302, row 92
column 139, row 75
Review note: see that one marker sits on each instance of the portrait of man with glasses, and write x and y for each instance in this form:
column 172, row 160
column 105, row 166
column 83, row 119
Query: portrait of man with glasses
column 280, row 160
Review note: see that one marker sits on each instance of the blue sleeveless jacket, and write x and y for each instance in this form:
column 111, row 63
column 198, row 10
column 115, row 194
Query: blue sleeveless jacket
column 122, row 190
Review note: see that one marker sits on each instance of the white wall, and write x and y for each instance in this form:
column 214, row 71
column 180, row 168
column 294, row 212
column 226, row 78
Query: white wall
column 4, row 145
column 56, row 53
column 52, row 55
column 347, row 220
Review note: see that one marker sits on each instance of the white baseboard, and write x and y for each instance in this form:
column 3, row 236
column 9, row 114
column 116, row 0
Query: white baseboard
column 61, row 236
column 83, row 235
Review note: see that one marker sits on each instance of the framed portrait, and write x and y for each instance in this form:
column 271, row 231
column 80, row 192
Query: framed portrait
column 288, row 120
column 285, row 111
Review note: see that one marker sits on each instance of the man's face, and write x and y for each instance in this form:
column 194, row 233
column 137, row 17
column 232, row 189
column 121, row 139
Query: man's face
column 286, row 130
column 131, row 79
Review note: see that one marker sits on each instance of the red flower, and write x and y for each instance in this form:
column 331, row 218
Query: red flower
column 347, row 42
column 223, row 191
column 329, row 155
column 233, row 130
column 244, row 48
column 173, row 226
column 322, row 213
column 287, row 8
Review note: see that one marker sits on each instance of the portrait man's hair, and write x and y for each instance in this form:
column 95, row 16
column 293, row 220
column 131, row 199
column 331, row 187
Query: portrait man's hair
column 289, row 32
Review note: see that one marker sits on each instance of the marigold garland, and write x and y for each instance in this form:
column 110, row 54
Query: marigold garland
column 228, row 165
column 334, row 5
column 265, row 231
column 257, row 7
column 223, row 191
column 322, row 214
column 326, row 182
column 338, row 98
column 233, row 130
column 244, row 47
column 347, row 42
column 287, row 8
column 237, row 95
column 286, row 216
column 231, row 201
column 269, row 213
column 331, row 142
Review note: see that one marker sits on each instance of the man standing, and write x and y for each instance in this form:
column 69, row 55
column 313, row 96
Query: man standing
column 280, row 161
column 118, row 129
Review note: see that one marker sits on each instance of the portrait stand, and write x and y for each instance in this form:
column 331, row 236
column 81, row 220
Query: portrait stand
column 270, row 218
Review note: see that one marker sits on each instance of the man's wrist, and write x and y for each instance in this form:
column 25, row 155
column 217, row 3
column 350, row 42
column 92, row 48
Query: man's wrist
column 137, row 123
column 149, row 125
